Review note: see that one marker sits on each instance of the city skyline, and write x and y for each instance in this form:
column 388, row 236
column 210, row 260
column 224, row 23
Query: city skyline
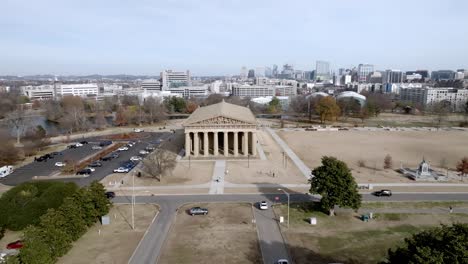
column 212, row 38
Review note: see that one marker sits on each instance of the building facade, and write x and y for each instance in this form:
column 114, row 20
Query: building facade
column 221, row 130
column 171, row 79
column 47, row 91
column 429, row 96
column 363, row 72
column 151, row 85
column 322, row 71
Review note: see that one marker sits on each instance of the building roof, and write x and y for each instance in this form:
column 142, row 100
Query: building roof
column 221, row 109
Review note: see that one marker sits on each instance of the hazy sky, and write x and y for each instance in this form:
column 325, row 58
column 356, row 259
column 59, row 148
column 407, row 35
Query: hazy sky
column 212, row 37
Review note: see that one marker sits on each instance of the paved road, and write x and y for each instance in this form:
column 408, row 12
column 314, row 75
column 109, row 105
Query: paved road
column 272, row 244
column 150, row 247
column 27, row 172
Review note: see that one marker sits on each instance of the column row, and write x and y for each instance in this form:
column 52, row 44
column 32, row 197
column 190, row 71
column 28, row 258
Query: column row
column 209, row 142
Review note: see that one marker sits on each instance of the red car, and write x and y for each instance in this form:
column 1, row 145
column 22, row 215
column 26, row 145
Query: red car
column 15, row 245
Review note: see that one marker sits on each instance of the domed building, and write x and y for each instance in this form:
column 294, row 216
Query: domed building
column 349, row 94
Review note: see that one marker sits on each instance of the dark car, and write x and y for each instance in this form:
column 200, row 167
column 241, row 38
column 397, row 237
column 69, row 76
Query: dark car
column 84, row 172
column 84, row 142
column 41, row 159
column 110, row 195
column 95, row 164
column 114, row 155
column 55, row 153
column 48, row 156
column 15, row 245
column 106, row 158
column 383, row 193
column 198, row 211
column 72, row 147
column 105, row 143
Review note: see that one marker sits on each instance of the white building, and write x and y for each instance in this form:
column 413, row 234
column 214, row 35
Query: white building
column 263, row 90
column 40, row 92
column 191, row 91
column 83, row 90
column 429, row 96
column 363, row 72
column 348, row 94
column 111, row 87
column 151, row 85
column 284, row 101
column 172, row 79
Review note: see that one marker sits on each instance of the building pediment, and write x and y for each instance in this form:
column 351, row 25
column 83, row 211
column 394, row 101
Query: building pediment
column 219, row 121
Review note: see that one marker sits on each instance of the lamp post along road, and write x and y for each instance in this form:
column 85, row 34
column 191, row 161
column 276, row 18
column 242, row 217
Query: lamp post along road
column 287, row 194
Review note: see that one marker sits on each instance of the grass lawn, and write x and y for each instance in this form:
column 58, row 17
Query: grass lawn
column 346, row 239
column 226, row 235
column 418, row 205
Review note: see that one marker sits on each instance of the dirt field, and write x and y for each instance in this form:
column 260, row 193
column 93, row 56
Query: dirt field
column 117, row 241
column 346, row 239
column 226, row 235
column 261, row 171
column 406, row 148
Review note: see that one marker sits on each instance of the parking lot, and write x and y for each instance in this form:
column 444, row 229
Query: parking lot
column 47, row 168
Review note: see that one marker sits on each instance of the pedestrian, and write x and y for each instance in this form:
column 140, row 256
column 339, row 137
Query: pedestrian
column 450, row 209
column 273, row 174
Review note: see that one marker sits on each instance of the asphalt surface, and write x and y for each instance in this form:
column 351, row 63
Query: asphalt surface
column 46, row 168
column 149, row 249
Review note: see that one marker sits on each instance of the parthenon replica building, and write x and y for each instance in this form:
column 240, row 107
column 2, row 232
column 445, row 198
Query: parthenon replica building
column 219, row 130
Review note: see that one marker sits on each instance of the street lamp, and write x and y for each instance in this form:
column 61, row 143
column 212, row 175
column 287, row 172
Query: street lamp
column 287, row 194
column 133, row 200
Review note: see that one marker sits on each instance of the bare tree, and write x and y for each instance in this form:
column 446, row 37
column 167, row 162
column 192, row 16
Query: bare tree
column 74, row 109
column 462, row 167
column 441, row 110
column 154, row 109
column 18, row 121
column 158, row 163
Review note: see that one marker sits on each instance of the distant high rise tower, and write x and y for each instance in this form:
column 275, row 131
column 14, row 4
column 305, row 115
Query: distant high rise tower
column 260, row 72
column 268, row 72
column 393, row 76
column 322, row 70
column 251, row 74
column 363, row 72
column 243, row 73
column 274, row 73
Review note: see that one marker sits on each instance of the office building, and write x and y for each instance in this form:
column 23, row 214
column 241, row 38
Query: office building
column 443, row 75
column 287, row 72
column 260, row 72
column 171, row 79
column 254, row 91
column 268, row 72
column 52, row 91
column 428, row 96
column 40, row 92
column 251, row 74
column 83, row 90
column 191, row 91
column 363, row 72
column 151, row 85
column 322, row 71
column 275, row 72
column 243, row 73
column 393, row 76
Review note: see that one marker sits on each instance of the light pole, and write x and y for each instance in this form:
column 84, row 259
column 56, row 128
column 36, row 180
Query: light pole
column 133, row 201
column 287, row 194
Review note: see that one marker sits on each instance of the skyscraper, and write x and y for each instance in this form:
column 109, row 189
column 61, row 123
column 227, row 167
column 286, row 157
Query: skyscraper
column 251, row 73
column 260, row 72
column 322, row 71
column 363, row 72
column 274, row 73
column 393, row 76
column 243, row 73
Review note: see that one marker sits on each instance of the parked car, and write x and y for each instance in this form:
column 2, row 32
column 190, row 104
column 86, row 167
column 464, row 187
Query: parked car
column 137, row 130
column 41, row 159
column 60, row 164
column 84, row 142
column 96, row 147
column 95, row 164
column 15, row 245
column 55, row 153
column 48, row 156
column 114, row 155
column 150, row 148
column 79, row 144
column 383, row 193
column 110, row 195
column 263, row 205
column 282, row 261
column 121, row 170
column 136, row 158
column 106, row 158
column 198, row 211
column 124, row 148
column 84, row 172
column 105, row 143
column 72, row 146
column 143, row 152
column 90, row 168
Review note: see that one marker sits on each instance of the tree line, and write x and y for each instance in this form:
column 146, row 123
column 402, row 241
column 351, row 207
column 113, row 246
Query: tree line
column 59, row 227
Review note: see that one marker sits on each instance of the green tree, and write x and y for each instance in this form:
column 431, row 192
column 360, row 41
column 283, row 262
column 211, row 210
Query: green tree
column 175, row 104
column 327, row 109
column 98, row 195
column 35, row 249
column 274, row 106
column 335, row 183
column 444, row 244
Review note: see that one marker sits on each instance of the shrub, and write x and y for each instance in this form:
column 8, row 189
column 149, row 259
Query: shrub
column 388, row 162
column 361, row 163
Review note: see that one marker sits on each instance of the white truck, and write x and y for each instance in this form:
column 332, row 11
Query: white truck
column 5, row 170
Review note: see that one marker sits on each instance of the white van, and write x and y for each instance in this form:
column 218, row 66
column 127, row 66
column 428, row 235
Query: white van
column 5, row 170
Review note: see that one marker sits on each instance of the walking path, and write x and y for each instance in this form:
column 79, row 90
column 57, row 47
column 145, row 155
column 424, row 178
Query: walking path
column 300, row 165
column 217, row 181
column 260, row 151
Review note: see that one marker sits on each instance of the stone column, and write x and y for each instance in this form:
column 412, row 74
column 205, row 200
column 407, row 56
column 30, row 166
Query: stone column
column 195, row 144
column 205, row 144
column 215, row 143
column 254, row 143
column 226, row 144
column 236, row 144
column 187, row 144
column 246, row 144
